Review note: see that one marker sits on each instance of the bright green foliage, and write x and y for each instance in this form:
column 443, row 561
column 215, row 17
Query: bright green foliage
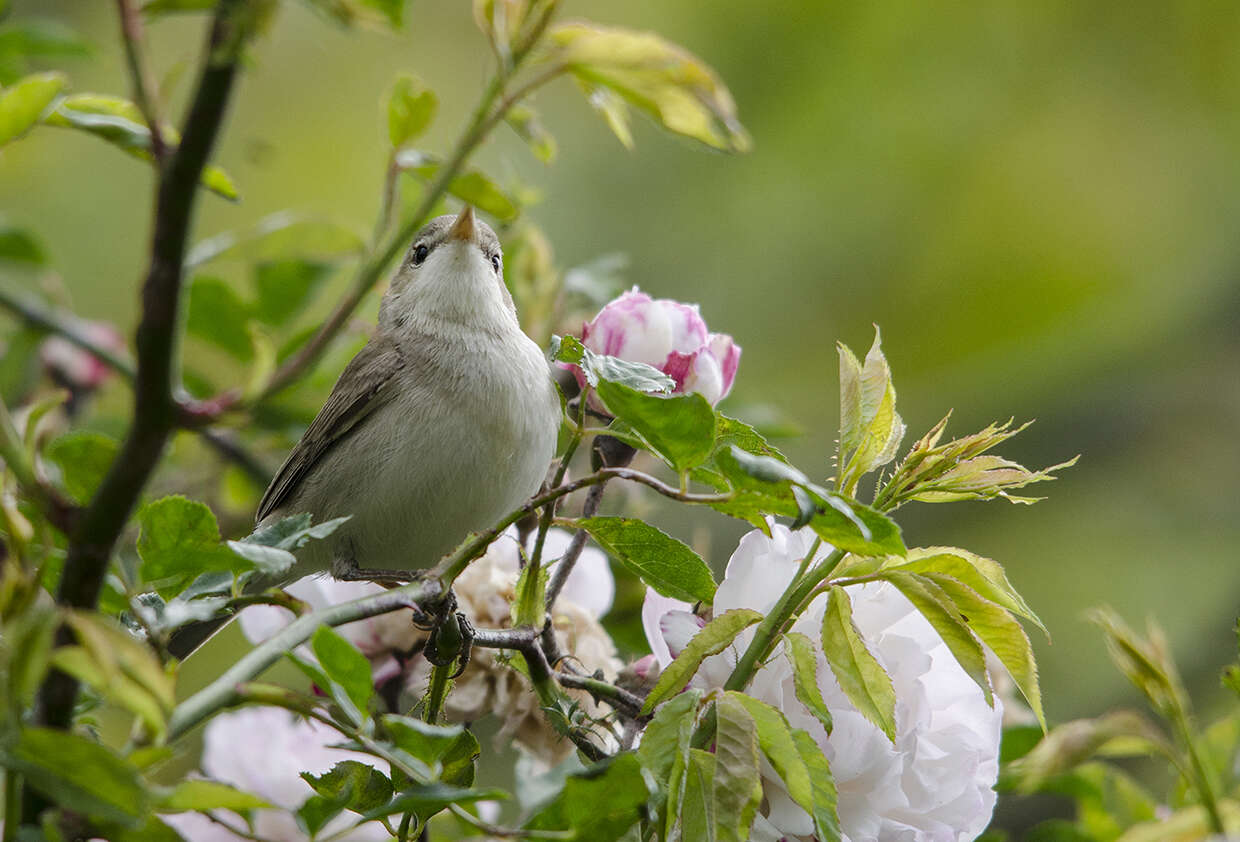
column 653, row 75
column 659, row 560
column 345, row 665
column 472, row 187
column 83, row 458
column 219, row 315
column 599, row 367
column 196, row 794
column 826, row 820
column 527, row 606
column 666, row 738
column 598, row 804
column 411, row 109
column 947, row 619
column 284, row 288
column 179, row 541
column 959, row 470
column 119, row 122
column 23, row 103
column 737, row 789
column 120, row 668
column 81, row 774
column 1001, row 633
column 714, row 637
column 860, row 675
column 982, row 575
column 800, row 651
column 349, row 785
column 870, row 427
column 680, row 429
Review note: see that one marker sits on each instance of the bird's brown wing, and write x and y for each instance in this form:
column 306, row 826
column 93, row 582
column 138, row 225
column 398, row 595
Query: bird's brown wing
column 364, row 385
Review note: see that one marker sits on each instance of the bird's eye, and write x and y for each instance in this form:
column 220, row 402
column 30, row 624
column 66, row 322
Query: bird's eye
column 495, row 262
column 419, row 254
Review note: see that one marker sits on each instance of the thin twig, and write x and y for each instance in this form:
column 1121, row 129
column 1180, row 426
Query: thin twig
column 223, row 690
column 505, row 638
column 154, row 416
column 569, row 560
column 144, row 88
column 622, row 700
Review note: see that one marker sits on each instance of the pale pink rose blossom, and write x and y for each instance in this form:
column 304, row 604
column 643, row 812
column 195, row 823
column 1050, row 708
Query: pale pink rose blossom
column 264, row 750
column 670, row 336
column 74, row 367
column 935, row 784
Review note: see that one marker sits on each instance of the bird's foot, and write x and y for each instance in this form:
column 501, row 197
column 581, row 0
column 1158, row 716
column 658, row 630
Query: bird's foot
column 451, row 638
column 347, row 570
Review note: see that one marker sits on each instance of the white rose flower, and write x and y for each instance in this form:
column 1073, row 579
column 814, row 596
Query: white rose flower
column 485, row 592
column 935, row 784
column 264, row 750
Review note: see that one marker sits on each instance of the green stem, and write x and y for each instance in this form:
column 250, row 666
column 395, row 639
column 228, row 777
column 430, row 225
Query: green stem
column 402, row 834
column 437, row 691
column 790, row 602
column 1204, row 784
column 223, row 691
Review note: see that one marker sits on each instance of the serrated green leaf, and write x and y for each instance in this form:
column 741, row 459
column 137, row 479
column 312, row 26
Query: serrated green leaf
column 714, row 637
column 344, row 664
column 119, row 122
column 668, row 733
column 995, row 627
column 472, row 186
column 697, row 819
column 83, row 458
column 804, row 660
column 354, row 785
column 112, row 685
column 860, row 676
column 25, row 101
column 737, row 781
column 528, row 597
column 599, row 367
column 665, row 564
column 79, row 774
column 178, row 541
column 197, row 794
column 981, row 574
column 929, row 599
column 825, row 813
column 680, row 429
column 850, row 400
column 775, row 739
column 428, row 799
column 410, row 111
column 270, row 561
column 653, row 75
column 292, row 532
column 600, row 803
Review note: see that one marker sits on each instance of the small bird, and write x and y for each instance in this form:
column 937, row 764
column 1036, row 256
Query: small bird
column 442, row 424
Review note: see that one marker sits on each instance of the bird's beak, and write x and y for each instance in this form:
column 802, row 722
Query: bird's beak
column 463, row 228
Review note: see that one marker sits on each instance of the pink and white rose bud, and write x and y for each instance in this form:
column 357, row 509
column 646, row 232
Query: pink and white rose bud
column 670, row 336
column 75, row 368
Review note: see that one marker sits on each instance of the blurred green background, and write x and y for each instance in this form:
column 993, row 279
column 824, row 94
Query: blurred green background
column 1038, row 202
